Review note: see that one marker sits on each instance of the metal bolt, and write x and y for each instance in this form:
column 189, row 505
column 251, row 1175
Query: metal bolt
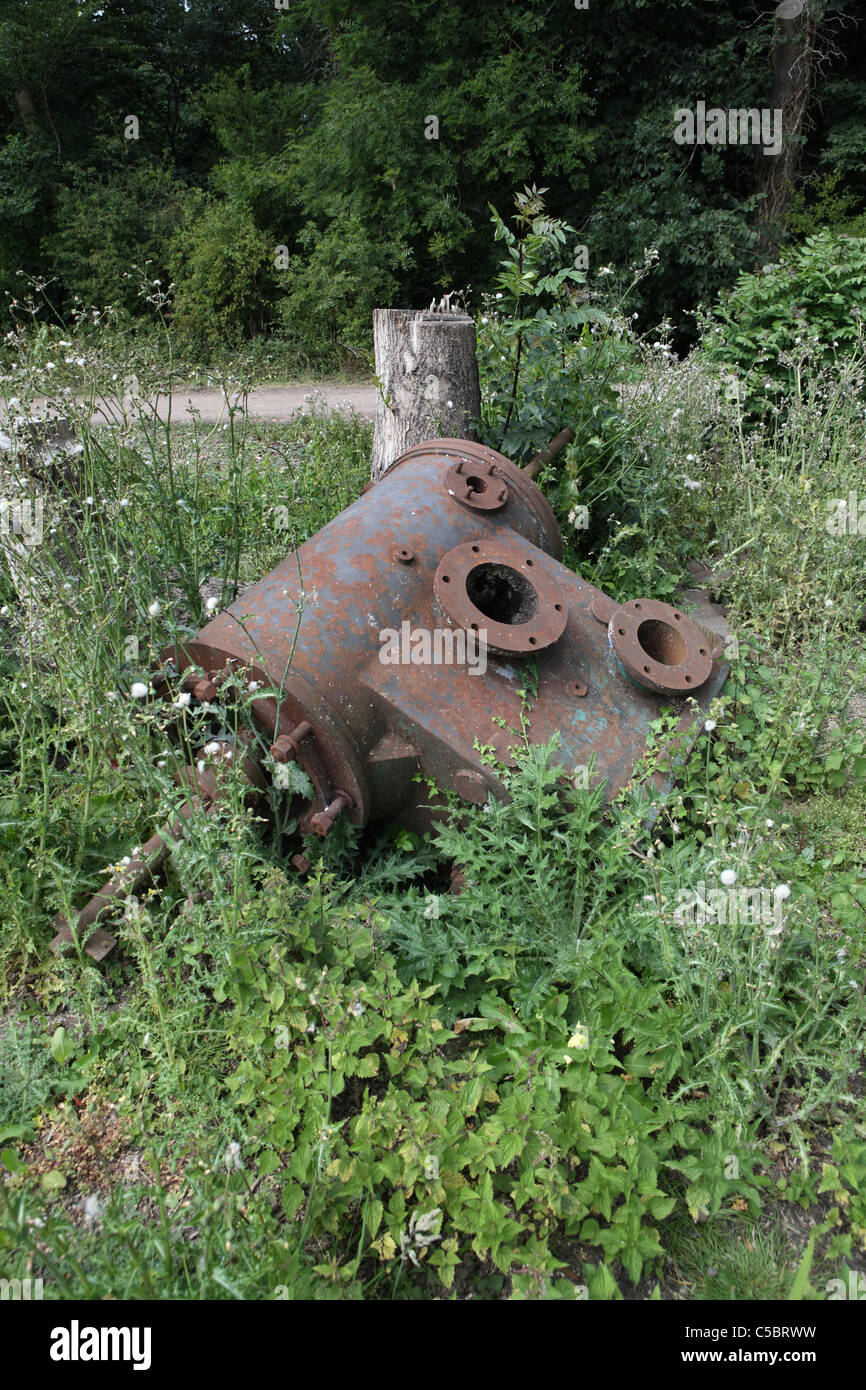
column 285, row 749
column 322, row 822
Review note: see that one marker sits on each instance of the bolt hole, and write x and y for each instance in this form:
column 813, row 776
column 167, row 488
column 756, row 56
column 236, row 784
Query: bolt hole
column 646, row 669
column 621, row 631
column 475, row 549
column 678, row 616
column 446, row 579
column 532, row 641
column 637, row 607
column 558, row 607
column 688, row 680
column 702, row 650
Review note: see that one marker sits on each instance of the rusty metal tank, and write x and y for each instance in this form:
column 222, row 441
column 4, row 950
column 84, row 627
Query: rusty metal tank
column 454, row 539
column 398, row 639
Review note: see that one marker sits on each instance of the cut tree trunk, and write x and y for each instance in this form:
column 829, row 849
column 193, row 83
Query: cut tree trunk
column 428, row 379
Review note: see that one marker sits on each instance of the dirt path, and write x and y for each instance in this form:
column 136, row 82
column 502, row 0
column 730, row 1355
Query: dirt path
column 264, row 402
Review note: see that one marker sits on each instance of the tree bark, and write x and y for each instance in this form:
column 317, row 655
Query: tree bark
column 793, row 56
column 428, row 380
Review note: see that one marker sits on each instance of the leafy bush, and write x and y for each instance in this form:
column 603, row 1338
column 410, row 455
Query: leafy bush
column 804, row 311
column 108, row 225
column 549, row 352
column 450, row 1150
column 25, row 169
column 222, row 265
column 333, row 286
column 555, row 352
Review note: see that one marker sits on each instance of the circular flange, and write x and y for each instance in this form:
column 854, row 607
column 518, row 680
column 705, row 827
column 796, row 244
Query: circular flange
column 500, row 589
column 476, row 483
column 603, row 608
column 659, row 647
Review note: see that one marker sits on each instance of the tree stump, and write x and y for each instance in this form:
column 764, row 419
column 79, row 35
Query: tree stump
column 428, row 378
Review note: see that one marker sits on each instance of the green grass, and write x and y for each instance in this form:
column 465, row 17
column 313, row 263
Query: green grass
column 262, row 1094
column 741, row 1260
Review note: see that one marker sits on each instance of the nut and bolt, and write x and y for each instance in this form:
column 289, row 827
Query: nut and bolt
column 205, row 690
column 285, row 749
column 322, row 822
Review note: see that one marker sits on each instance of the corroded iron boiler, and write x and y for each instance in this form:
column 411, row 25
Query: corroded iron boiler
column 455, row 539
column 454, row 536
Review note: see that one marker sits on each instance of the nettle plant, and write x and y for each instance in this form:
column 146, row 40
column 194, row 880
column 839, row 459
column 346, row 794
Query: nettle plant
column 550, row 351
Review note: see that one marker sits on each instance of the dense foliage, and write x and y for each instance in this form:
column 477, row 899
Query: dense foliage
column 775, row 326
column 292, row 166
